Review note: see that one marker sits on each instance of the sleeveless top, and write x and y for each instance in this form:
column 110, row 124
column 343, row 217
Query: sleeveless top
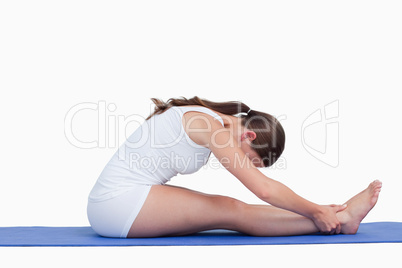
column 156, row 151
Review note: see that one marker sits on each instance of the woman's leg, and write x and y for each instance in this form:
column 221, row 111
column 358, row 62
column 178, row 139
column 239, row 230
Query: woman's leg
column 171, row 210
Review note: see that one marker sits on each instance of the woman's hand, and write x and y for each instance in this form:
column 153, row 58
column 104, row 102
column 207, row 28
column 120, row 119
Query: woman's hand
column 326, row 221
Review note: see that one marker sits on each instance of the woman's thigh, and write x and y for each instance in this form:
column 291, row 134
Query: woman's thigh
column 170, row 210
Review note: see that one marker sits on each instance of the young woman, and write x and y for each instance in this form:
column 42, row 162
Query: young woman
column 131, row 198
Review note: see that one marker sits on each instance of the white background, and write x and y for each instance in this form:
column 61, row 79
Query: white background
column 287, row 58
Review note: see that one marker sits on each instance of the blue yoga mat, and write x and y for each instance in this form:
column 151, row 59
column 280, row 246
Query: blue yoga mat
column 376, row 232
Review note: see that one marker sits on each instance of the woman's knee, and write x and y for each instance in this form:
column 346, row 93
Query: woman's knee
column 229, row 208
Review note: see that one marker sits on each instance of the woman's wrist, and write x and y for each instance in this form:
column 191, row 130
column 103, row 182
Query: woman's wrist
column 316, row 211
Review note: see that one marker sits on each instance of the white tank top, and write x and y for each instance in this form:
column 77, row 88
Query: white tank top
column 155, row 152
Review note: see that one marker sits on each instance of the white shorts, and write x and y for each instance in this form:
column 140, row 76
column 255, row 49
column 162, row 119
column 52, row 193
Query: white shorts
column 114, row 217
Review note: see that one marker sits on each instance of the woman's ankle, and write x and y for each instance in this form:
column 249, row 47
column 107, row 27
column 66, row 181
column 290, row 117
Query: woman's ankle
column 348, row 225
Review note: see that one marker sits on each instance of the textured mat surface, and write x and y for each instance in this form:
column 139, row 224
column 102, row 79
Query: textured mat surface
column 376, row 232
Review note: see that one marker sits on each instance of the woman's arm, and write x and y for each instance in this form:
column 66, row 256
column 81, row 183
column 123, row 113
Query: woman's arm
column 272, row 191
column 231, row 156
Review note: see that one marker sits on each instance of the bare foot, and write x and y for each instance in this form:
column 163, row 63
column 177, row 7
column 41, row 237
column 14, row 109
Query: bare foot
column 358, row 207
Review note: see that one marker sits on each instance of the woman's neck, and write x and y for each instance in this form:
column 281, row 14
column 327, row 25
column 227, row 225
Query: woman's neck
column 232, row 123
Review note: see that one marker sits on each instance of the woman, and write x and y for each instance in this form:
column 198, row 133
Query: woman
column 131, row 198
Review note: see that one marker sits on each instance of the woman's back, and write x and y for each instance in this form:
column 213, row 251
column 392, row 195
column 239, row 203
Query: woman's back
column 154, row 153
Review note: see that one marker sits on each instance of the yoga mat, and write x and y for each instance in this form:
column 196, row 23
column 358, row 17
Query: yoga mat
column 376, row 232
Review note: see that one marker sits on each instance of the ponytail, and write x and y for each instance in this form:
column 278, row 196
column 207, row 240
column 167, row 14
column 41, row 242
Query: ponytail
column 228, row 107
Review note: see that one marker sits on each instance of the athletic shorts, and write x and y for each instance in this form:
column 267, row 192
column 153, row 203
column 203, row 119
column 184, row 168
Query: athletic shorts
column 114, row 217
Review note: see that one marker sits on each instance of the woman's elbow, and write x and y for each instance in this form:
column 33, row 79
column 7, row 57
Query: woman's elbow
column 264, row 195
column 264, row 192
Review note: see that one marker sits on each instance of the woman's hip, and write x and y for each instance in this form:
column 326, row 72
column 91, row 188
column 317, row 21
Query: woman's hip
column 114, row 217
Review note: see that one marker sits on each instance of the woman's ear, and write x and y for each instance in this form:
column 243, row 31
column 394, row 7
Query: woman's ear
column 251, row 135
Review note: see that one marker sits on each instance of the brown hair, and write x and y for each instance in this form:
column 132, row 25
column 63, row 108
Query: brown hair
column 270, row 141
